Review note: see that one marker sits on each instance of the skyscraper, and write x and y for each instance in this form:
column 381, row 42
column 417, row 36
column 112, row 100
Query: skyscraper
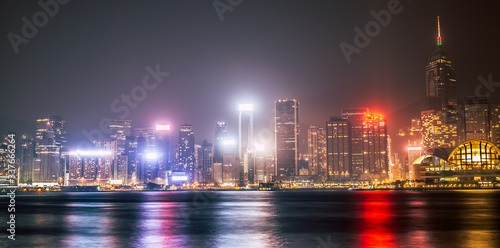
column 207, row 162
column 441, row 80
column 436, row 132
column 375, row 149
column 220, row 135
column 186, row 150
column 339, row 146
column 440, row 118
column 316, row 150
column 495, row 124
column 119, row 130
column 245, row 142
column 46, row 163
column 476, row 119
column 57, row 127
column 287, row 137
column 356, row 117
column 27, row 152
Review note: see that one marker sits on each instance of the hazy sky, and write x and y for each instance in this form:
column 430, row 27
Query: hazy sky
column 89, row 53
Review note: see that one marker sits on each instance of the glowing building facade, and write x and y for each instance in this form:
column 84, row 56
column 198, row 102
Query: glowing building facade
column 339, row 147
column 356, row 116
column 245, row 141
column 375, row 150
column 316, row 150
column 287, row 137
column 437, row 131
column 475, row 161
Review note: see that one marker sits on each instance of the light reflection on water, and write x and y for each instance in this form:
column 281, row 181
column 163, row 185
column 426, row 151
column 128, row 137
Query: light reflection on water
column 260, row 219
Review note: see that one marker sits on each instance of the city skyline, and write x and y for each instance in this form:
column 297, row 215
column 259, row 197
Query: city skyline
column 239, row 73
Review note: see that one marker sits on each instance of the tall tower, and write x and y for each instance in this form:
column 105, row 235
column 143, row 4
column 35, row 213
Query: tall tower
column 287, row 137
column 441, row 81
column 119, row 130
column 440, row 118
column 220, row 136
column 316, row 149
column 338, row 133
column 356, row 117
column 186, row 150
column 46, row 164
column 375, row 146
column 245, row 144
column 57, row 126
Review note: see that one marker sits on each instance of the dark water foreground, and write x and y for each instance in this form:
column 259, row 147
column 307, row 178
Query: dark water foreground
column 256, row 219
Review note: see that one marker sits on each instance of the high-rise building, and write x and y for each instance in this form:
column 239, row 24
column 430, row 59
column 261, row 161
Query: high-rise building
column 186, row 151
column 316, row 150
column 440, row 119
column 119, row 130
column 495, row 124
column 436, row 131
column 207, row 162
column 57, row 125
column 89, row 167
column 475, row 121
column 375, row 149
column 441, row 81
column 220, row 135
column 46, row 167
column 232, row 171
column 287, row 137
column 356, row 116
column 245, row 142
column 339, row 146
column 27, row 152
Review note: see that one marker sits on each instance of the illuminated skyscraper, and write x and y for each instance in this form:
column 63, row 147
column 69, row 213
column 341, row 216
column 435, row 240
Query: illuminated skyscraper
column 476, row 119
column 245, row 144
column 495, row 124
column 186, row 150
column 119, row 130
column 356, row 116
column 440, row 120
column 57, row 126
column 316, row 149
column 375, row 149
column 46, row 167
column 436, row 132
column 220, row 136
column 339, row 147
column 207, row 162
column 441, row 81
column 27, row 152
column 287, row 137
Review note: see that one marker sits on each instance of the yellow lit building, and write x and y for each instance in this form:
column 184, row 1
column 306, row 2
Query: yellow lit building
column 473, row 160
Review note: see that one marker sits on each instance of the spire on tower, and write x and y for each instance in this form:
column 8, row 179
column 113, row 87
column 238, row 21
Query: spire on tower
column 439, row 39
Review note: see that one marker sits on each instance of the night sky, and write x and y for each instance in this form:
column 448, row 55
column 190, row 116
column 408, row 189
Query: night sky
column 91, row 52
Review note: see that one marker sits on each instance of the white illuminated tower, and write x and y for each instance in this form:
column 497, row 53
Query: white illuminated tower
column 245, row 147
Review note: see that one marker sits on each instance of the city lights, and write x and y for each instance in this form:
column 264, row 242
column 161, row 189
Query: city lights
column 151, row 155
column 90, row 153
column 246, row 107
column 163, row 127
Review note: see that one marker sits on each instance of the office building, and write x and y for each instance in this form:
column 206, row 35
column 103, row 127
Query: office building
column 339, row 149
column 286, row 137
column 316, row 151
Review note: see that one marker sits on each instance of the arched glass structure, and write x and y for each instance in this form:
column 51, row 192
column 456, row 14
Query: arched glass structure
column 474, row 155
